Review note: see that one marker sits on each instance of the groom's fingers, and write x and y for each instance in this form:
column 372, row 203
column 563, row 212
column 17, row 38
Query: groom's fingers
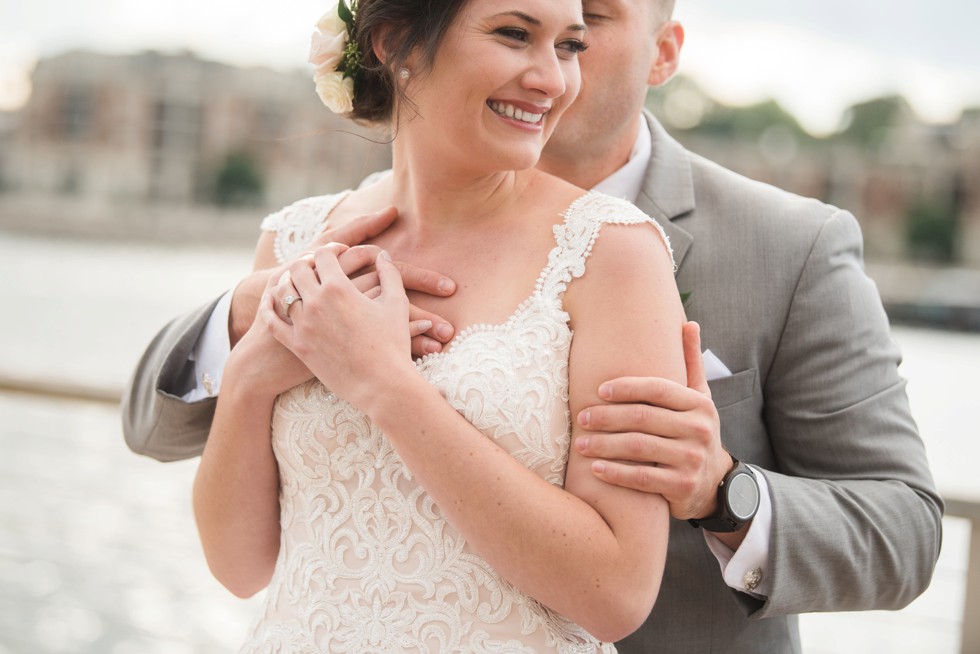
column 655, row 391
column 431, row 340
column 361, row 228
column 425, row 281
column 693, row 359
column 359, row 261
column 644, row 478
column 631, row 446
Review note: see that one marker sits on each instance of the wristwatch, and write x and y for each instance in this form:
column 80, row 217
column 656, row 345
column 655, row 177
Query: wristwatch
column 738, row 500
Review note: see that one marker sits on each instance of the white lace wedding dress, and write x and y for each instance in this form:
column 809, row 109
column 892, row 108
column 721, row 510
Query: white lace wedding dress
column 367, row 561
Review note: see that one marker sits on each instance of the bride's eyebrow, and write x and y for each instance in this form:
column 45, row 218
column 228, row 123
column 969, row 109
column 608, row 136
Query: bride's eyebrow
column 574, row 27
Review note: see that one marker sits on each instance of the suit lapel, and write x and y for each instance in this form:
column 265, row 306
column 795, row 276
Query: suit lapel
column 668, row 189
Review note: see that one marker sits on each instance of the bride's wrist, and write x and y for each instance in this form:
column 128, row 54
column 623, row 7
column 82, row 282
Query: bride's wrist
column 385, row 398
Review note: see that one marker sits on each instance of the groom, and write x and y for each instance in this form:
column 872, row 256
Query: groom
column 804, row 382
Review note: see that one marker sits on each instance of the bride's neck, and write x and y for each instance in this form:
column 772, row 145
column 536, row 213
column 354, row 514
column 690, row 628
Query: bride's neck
column 431, row 193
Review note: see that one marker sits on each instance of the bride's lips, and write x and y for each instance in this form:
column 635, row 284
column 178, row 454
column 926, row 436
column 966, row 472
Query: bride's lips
column 524, row 114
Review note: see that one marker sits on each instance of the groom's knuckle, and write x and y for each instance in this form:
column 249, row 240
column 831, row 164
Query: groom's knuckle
column 639, row 414
column 636, row 444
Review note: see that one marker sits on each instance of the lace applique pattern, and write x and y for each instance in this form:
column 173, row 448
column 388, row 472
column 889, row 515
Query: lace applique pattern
column 297, row 225
column 367, row 561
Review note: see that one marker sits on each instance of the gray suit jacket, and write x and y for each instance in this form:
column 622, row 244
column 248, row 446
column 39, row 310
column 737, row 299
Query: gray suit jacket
column 777, row 284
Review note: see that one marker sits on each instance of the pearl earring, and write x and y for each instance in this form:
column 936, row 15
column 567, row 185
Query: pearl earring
column 404, row 73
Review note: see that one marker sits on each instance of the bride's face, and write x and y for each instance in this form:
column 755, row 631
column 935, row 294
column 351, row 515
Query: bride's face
column 502, row 76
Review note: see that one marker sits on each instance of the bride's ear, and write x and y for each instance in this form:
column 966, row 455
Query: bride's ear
column 379, row 41
column 382, row 40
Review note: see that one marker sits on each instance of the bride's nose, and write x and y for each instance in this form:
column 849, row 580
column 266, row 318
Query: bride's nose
column 545, row 73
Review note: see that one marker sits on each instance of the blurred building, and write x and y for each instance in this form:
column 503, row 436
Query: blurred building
column 174, row 129
column 167, row 133
column 914, row 187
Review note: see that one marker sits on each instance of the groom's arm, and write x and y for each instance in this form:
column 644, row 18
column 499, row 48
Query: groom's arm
column 856, row 519
column 157, row 422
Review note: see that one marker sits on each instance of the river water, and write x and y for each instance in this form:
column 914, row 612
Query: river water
column 97, row 546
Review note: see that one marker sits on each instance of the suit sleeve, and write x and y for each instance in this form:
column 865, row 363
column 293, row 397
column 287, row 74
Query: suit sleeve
column 156, row 421
column 856, row 520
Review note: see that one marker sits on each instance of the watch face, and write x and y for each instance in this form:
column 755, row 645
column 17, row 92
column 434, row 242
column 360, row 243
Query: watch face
column 743, row 496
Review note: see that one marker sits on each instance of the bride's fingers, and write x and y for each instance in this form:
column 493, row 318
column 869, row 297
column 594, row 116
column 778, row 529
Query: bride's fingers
column 268, row 316
column 327, row 264
column 357, row 258
column 286, row 297
column 303, row 269
column 367, row 282
column 389, row 279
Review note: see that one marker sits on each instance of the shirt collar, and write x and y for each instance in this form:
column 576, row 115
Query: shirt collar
column 626, row 182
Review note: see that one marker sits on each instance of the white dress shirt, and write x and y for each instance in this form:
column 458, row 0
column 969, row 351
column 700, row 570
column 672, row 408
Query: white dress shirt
column 745, row 569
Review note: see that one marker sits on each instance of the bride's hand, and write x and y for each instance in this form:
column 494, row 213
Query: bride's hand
column 353, row 342
column 261, row 361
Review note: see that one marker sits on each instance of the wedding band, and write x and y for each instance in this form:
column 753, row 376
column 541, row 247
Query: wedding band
column 289, row 300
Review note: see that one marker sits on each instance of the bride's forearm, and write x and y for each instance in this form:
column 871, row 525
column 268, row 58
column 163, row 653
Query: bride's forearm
column 236, row 491
column 550, row 543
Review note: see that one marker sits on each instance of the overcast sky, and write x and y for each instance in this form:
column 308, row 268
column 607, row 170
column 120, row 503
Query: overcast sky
column 815, row 56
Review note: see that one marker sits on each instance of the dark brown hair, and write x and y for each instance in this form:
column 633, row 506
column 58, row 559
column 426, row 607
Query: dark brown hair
column 405, row 27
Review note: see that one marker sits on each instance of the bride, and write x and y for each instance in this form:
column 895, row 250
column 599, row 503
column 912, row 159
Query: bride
column 392, row 505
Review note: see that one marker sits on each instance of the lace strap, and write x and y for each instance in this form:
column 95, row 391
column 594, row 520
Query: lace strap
column 576, row 236
column 297, row 225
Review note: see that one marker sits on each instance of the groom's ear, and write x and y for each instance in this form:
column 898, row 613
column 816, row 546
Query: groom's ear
column 670, row 40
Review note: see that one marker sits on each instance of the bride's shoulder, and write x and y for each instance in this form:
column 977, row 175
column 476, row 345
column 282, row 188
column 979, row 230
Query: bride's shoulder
column 625, row 230
column 596, row 207
column 288, row 231
column 303, row 213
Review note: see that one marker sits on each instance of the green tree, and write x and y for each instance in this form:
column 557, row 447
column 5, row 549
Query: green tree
column 238, row 181
column 930, row 230
column 868, row 123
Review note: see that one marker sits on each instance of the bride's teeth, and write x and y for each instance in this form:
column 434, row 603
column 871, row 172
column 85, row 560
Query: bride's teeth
column 516, row 113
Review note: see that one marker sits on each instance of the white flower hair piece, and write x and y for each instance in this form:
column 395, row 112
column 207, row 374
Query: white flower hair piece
column 336, row 57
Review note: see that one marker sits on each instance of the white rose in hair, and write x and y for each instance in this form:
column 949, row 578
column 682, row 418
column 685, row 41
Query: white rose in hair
column 328, row 42
column 335, row 91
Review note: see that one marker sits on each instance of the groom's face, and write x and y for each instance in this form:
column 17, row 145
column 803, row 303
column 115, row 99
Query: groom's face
column 620, row 64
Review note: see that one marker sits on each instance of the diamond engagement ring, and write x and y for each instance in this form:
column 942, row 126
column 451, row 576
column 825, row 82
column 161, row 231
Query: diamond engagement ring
column 289, row 300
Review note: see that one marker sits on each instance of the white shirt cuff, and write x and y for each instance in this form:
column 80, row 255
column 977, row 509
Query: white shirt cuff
column 211, row 352
column 747, row 568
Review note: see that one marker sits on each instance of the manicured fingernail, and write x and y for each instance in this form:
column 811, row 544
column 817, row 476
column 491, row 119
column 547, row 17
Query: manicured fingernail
column 423, row 325
column 385, row 254
column 446, row 285
column 598, row 467
column 430, row 346
column 584, row 417
column 444, row 330
column 605, row 391
column 582, row 443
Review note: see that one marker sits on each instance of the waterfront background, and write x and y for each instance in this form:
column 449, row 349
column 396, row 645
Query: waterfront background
column 98, row 550
column 140, row 143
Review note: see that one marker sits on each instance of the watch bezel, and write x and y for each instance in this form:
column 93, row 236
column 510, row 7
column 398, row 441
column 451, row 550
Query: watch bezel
column 743, row 472
column 725, row 520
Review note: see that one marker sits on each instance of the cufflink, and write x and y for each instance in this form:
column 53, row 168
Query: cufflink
column 752, row 579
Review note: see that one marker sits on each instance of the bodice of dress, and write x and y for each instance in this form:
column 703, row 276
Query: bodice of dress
column 367, row 561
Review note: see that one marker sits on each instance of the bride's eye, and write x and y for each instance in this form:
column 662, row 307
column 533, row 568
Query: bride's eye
column 572, row 47
column 513, row 34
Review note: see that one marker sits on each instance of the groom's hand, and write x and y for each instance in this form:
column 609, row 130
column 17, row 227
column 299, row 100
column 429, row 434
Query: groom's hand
column 428, row 330
column 673, row 432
